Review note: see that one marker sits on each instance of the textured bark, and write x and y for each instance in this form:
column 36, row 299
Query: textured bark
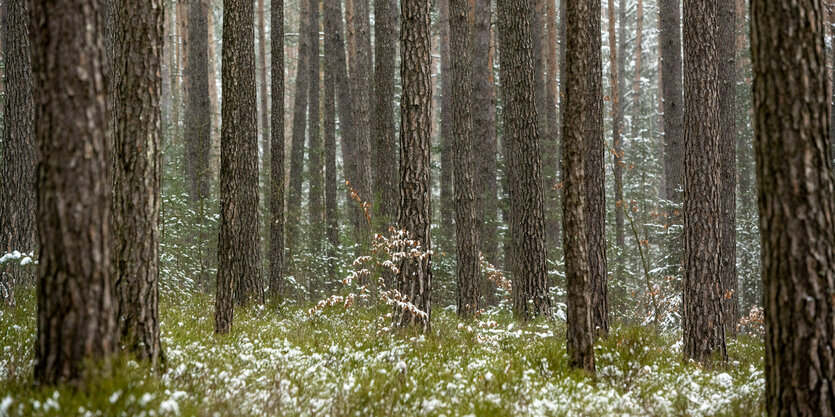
column 385, row 155
column 537, row 22
column 198, row 106
column 579, row 309
column 617, row 118
column 636, row 76
column 239, row 253
column 19, row 158
column 344, row 100
column 415, row 278
column 76, row 320
column 361, row 91
column 213, row 96
column 447, row 200
column 264, row 114
column 669, row 37
column 276, row 280
column 551, row 155
column 704, row 332
column 294, row 192
column 726, row 55
column 332, row 15
column 468, row 265
column 139, row 36
column 166, row 91
column 594, row 170
column 316, row 212
column 524, row 165
column 796, row 205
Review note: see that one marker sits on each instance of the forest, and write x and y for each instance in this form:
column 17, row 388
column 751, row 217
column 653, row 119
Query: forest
column 417, row 208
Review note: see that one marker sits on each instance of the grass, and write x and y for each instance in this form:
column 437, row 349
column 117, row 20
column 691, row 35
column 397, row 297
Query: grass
column 344, row 362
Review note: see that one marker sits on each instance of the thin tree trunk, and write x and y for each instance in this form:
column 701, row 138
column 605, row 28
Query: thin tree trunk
column 524, row 166
column 579, row 314
column 551, row 152
column 332, row 15
column 670, row 39
column 636, row 80
column 447, row 200
column 796, row 204
column 704, row 332
column 361, row 77
column 214, row 115
column 316, row 213
column 385, row 157
column 617, row 145
column 264, row 115
column 76, row 320
column 276, row 281
column 415, row 277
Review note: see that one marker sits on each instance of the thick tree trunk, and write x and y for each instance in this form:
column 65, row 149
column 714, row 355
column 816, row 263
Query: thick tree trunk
column 18, row 162
column 415, row 278
column 138, row 171
column 300, row 101
column 468, row 265
column 796, row 204
column 76, row 320
column 726, row 55
column 264, row 115
column 239, row 253
column 704, row 332
column 579, row 310
column 332, row 15
column 524, row 164
column 594, row 169
column 669, row 37
column 361, row 90
column 385, row 157
column 447, row 202
column 276, row 280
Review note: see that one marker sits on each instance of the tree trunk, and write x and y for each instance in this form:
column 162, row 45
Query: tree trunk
column 726, row 55
column 537, row 22
column 617, row 145
column 704, row 332
column 468, row 265
column 579, row 310
column 415, row 277
column 447, row 202
column 636, row 80
column 332, row 14
column 19, row 158
column 551, row 152
column 138, row 172
column 594, row 170
column 76, row 320
column 385, row 182
column 669, row 37
column 524, row 166
column 315, row 151
column 264, row 115
column 797, row 206
column 239, row 254
column 214, row 115
column 361, row 90
column 344, row 100
column 277, row 149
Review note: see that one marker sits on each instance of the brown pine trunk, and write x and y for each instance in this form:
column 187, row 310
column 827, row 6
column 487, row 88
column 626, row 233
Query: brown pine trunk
column 332, row 15
column 19, row 158
column 361, row 90
column 276, row 280
column 537, row 22
column 239, row 253
column 344, row 100
column 594, row 169
column 551, row 159
column 670, row 39
column 76, row 320
column 316, row 213
column 636, row 80
column 138, row 172
column 264, row 115
column 704, row 332
column 447, row 202
column 726, row 55
column 300, row 101
column 797, row 206
column 415, row 278
column 385, row 157
column 617, row 145
column 524, row 165
column 579, row 314
column 468, row 268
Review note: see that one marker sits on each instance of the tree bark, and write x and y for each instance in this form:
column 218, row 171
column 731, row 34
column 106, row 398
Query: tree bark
column 239, row 254
column 334, row 45
column 468, row 264
column 669, row 37
column 447, row 202
column 726, row 55
column 139, row 36
column 276, row 281
column 361, row 90
column 636, row 80
column 385, row 156
column 551, row 155
column 617, row 145
column 19, row 158
column 315, row 150
column 796, row 205
column 524, row 165
column 579, row 314
column 264, row 115
column 76, row 320
column 594, row 170
column 704, row 332
column 415, row 278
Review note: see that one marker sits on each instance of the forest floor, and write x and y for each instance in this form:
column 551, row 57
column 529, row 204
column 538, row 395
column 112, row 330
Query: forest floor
column 341, row 362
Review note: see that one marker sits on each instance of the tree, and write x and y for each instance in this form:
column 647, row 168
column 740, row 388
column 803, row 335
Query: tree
column 594, row 171
column 551, row 155
column 447, row 199
column 385, row 157
column 19, row 157
column 468, row 264
column 669, row 38
column 138, row 170
column 239, row 254
column 277, row 149
column 264, row 117
column 415, row 278
column 315, row 150
column 796, row 205
column 704, row 332
column 617, row 118
column 524, row 165
column 76, row 320
column 361, row 73
column 334, row 48
column 726, row 54
column 636, row 80
column 579, row 309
